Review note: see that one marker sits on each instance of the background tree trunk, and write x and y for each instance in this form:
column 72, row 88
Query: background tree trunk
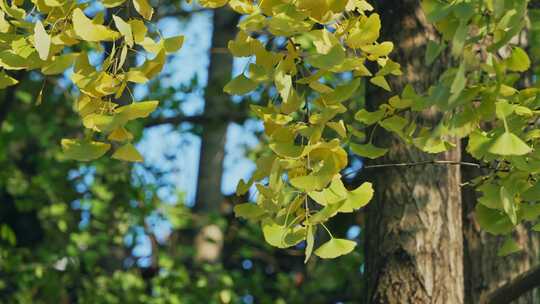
column 414, row 245
column 209, row 240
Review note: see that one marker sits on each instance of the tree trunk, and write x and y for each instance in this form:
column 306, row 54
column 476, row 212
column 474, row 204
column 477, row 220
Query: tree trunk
column 209, row 240
column 484, row 270
column 414, row 245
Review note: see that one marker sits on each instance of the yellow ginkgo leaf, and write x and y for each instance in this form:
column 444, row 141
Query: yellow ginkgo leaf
column 138, row 29
column 120, row 134
column 143, row 8
column 42, row 41
column 89, row 31
column 127, row 152
column 138, row 109
column 125, row 29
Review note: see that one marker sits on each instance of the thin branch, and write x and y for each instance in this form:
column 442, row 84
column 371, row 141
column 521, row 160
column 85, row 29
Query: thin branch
column 420, row 163
column 427, row 162
column 514, row 289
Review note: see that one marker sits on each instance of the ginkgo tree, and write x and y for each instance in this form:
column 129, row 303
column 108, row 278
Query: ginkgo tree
column 306, row 128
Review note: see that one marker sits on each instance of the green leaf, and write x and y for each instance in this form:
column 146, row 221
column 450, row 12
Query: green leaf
column 248, row 211
column 380, row 81
column 368, row 150
column 459, row 81
column 6, row 80
column 337, row 193
column 335, row 57
column 89, row 31
column 311, row 182
column 433, row 51
column 326, row 213
column 310, row 242
column 509, row 144
column 458, row 42
column 240, row 85
column 519, row 60
column 334, row 248
column 173, row 44
column 509, row 246
column 509, row 205
column 493, row 221
column 281, row 236
column 59, row 64
column 369, row 118
column 127, row 152
column 82, row 150
column 42, row 41
column 139, row 109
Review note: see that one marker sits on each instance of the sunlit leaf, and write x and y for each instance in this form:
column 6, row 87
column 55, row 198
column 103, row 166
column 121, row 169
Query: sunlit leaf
column 334, row 248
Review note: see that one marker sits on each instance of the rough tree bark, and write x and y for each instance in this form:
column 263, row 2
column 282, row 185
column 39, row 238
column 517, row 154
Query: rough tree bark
column 209, row 240
column 414, row 245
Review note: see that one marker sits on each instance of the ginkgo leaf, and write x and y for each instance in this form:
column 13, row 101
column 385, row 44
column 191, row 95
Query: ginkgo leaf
column 249, row 211
column 508, row 247
column 311, row 182
column 369, row 118
column 120, row 134
column 335, row 57
column 433, row 51
column 125, row 29
column 380, row 81
column 378, row 50
column 127, row 152
column 59, row 64
column 337, row 192
column 42, row 41
column 173, row 44
column 139, row 109
column 6, row 80
column 509, row 144
column 368, row 150
column 365, row 32
column 519, row 60
column 138, row 29
column 459, row 81
column 82, row 150
column 282, row 236
column 509, row 205
column 493, row 221
column 334, row 248
column 143, row 8
column 240, row 85
column 89, row 31
column 310, row 242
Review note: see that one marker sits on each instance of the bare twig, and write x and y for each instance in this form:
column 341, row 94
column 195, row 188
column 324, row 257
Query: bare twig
column 420, row 163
